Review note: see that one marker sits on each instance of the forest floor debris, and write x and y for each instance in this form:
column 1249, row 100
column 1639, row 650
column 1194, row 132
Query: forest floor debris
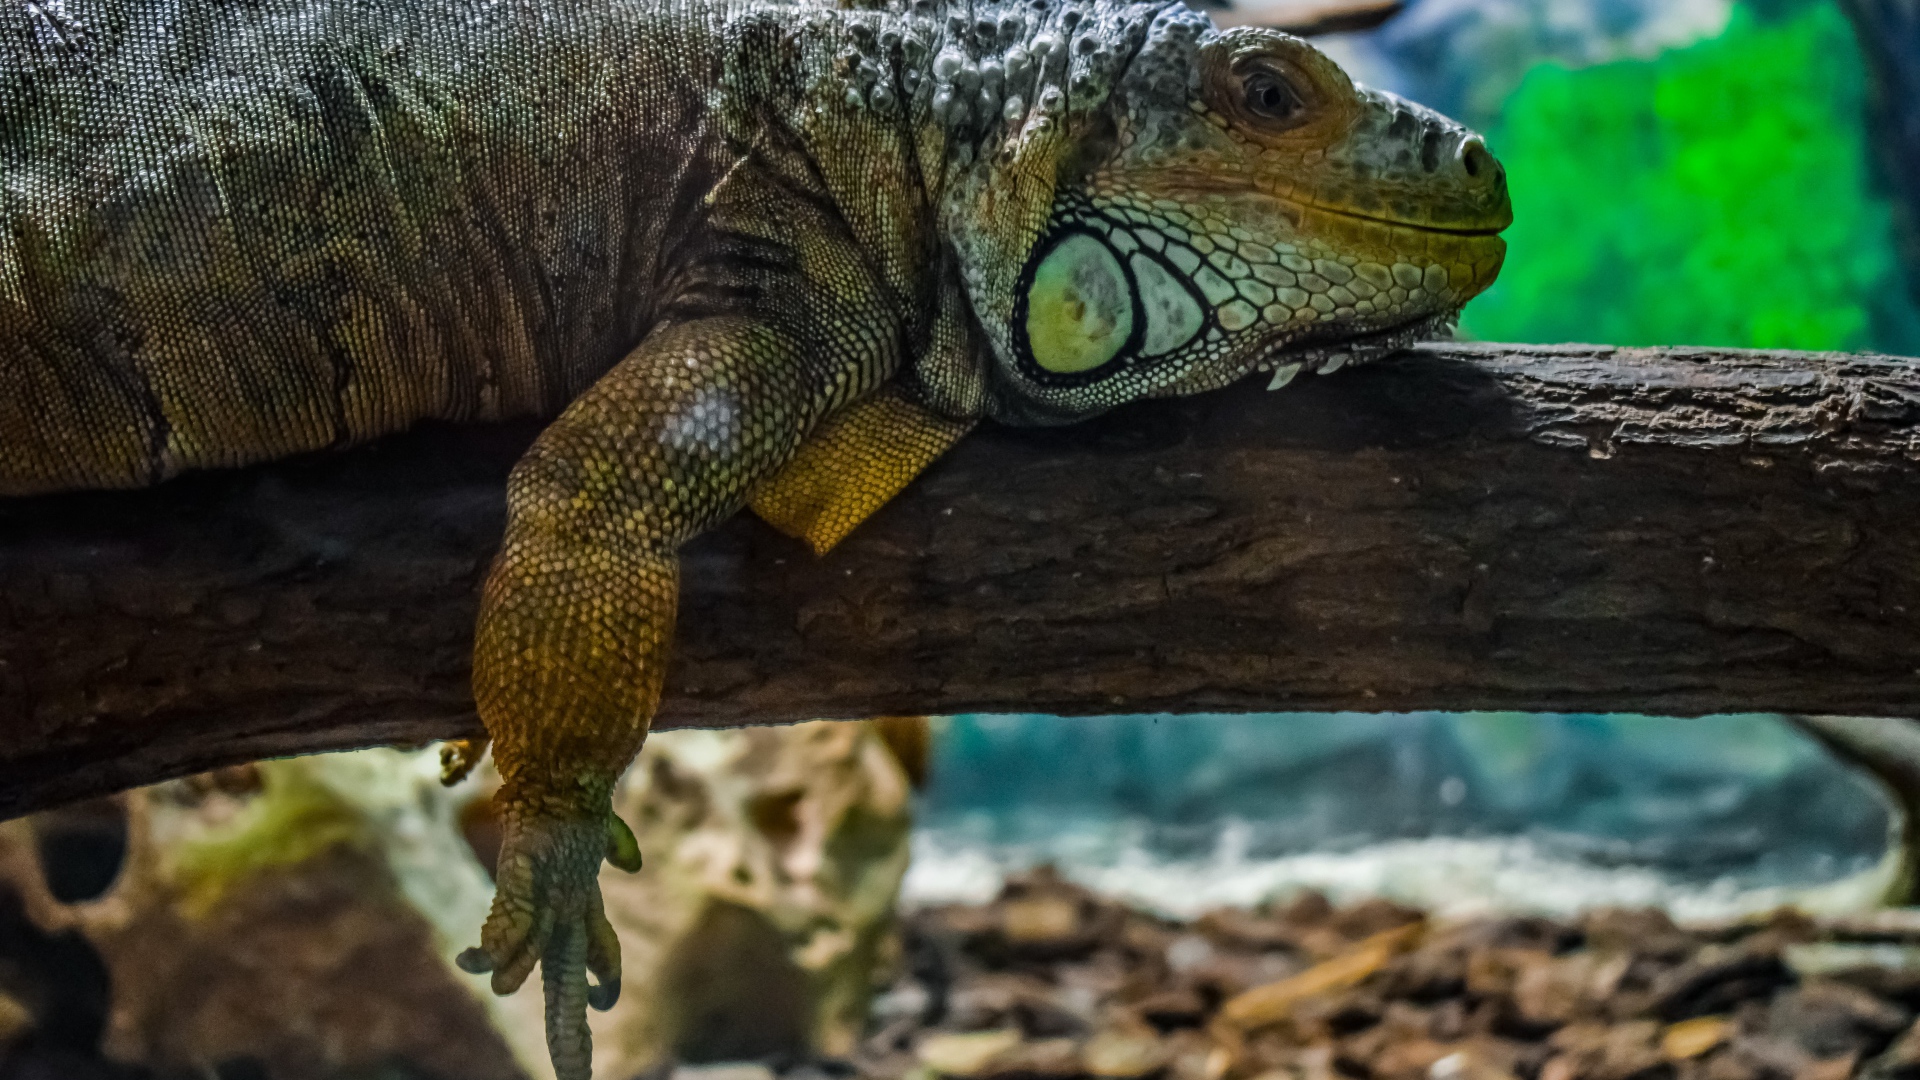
column 1053, row 982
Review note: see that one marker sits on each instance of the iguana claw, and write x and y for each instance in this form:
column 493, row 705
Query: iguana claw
column 458, row 758
column 547, row 909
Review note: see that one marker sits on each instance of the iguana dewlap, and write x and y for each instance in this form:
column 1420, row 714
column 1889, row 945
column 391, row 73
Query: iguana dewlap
column 760, row 254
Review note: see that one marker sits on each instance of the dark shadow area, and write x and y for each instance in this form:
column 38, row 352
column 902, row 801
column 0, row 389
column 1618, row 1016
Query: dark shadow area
column 81, row 848
column 726, row 1018
column 63, row 986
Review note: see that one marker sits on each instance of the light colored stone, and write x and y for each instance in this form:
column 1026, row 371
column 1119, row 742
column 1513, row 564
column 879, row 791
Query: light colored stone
column 1040, row 920
column 774, row 856
column 1120, row 1055
column 966, row 1055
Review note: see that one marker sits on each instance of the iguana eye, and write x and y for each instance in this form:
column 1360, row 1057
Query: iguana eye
column 1269, row 96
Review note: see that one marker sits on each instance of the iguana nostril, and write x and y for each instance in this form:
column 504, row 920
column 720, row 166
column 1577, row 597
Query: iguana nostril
column 1478, row 161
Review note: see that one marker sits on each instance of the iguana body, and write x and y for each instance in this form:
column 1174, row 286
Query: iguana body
column 783, row 255
column 236, row 232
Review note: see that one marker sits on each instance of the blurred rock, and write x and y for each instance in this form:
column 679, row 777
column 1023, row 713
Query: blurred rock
column 1170, row 1009
column 297, row 920
column 1831, row 1020
column 1124, row 1054
column 1901, row 1061
column 774, row 856
column 1591, row 1051
column 1558, row 990
column 1715, row 979
column 1639, row 931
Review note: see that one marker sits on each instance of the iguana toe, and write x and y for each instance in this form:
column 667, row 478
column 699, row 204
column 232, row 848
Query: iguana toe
column 547, row 911
column 563, row 974
column 519, row 951
column 603, row 958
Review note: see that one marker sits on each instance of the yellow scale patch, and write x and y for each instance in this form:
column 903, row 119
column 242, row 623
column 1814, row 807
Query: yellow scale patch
column 851, row 465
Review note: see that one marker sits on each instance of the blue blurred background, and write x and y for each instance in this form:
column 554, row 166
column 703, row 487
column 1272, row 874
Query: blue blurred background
column 1463, row 812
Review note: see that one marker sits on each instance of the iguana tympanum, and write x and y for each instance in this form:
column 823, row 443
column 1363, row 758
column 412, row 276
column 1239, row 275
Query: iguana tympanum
column 754, row 254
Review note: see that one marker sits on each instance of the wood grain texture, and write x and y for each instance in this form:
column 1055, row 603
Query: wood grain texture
column 1678, row 531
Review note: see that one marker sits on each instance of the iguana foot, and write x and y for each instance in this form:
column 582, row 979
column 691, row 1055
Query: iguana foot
column 458, row 757
column 547, row 909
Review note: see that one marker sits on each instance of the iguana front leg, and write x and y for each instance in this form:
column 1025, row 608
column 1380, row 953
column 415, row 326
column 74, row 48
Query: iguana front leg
column 577, row 619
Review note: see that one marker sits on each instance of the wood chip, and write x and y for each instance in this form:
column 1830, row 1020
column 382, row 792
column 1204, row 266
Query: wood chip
column 1272, row 1003
column 1691, row 1038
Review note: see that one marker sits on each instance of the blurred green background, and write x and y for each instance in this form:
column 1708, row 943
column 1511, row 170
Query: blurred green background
column 1714, row 193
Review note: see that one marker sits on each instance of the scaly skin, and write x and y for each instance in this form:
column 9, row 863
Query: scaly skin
column 778, row 256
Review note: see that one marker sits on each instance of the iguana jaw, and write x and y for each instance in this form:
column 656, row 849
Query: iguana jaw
column 1374, row 287
column 1288, row 359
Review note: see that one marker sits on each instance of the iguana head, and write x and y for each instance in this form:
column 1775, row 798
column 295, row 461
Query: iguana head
column 1162, row 208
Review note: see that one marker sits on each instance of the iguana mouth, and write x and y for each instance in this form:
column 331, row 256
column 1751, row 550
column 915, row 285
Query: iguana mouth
column 1409, row 225
column 1189, row 182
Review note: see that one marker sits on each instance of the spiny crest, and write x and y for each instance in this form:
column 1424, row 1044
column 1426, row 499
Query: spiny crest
column 988, row 71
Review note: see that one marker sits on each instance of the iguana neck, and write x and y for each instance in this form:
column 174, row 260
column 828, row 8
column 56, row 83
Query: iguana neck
column 913, row 122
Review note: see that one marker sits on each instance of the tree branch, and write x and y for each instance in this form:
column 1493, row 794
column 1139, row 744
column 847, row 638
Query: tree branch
column 1577, row 529
column 1887, row 749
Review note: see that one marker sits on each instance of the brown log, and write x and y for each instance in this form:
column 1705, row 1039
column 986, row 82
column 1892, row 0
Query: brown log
column 1569, row 529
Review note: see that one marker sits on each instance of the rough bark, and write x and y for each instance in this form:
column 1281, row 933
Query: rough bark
column 1464, row 527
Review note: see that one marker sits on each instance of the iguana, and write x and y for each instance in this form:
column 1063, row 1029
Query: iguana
column 754, row 254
